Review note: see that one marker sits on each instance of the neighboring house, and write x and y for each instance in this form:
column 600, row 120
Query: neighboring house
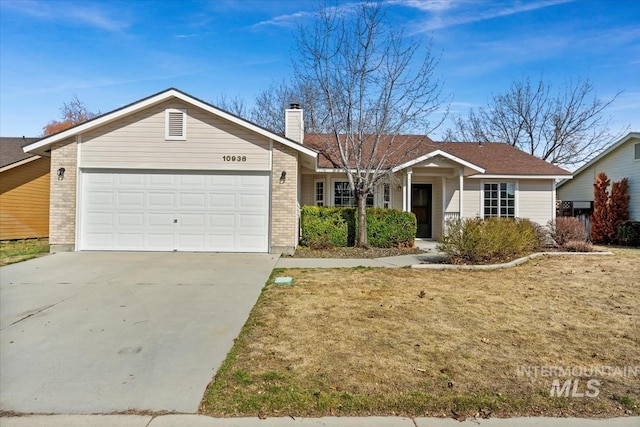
column 173, row 173
column 24, row 191
column 620, row 160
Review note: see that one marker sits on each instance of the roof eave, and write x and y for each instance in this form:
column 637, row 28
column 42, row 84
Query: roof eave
column 19, row 163
column 617, row 144
column 37, row 146
column 438, row 153
column 521, row 176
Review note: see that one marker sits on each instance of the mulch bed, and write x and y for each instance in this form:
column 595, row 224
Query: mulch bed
column 354, row 252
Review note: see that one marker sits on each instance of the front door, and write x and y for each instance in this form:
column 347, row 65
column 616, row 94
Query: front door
column 421, row 207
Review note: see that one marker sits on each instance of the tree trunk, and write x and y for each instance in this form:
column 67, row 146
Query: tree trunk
column 362, row 221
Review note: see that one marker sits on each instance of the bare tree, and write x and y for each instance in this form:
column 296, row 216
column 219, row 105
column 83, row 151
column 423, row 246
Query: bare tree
column 270, row 105
column 566, row 127
column 73, row 112
column 375, row 86
column 235, row 105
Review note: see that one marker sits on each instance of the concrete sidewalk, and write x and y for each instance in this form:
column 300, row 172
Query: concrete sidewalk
column 193, row 420
column 430, row 255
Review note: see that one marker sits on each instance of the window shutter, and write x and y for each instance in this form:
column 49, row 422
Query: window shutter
column 175, row 124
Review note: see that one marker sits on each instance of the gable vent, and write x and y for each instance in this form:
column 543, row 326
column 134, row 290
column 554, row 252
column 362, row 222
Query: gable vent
column 175, row 124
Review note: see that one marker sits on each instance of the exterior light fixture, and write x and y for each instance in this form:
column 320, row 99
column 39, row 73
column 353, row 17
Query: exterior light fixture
column 283, row 177
column 61, row 173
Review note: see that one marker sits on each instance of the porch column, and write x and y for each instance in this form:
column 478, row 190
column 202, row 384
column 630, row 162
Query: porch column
column 461, row 191
column 404, row 193
column 409, row 172
column 444, row 201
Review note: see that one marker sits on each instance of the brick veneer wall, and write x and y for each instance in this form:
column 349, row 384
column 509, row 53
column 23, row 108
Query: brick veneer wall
column 284, row 195
column 62, row 214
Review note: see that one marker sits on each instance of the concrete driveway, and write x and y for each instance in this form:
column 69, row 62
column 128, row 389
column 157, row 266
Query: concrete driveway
column 97, row 332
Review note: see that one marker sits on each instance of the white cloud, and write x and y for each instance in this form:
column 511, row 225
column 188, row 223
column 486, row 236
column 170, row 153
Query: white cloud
column 447, row 14
column 82, row 13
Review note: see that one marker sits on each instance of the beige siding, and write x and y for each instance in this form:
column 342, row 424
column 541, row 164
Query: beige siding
column 535, row 200
column 618, row 164
column 138, row 141
column 308, row 189
column 24, row 201
column 471, row 196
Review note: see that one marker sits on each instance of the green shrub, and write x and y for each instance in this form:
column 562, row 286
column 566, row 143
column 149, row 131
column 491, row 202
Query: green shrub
column 628, row 233
column 324, row 227
column 475, row 240
column 390, row 228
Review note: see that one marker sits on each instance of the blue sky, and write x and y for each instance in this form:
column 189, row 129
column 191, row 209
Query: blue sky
column 111, row 53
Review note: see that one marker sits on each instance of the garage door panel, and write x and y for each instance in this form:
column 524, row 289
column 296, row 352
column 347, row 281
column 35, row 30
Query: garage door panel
column 252, row 221
column 193, row 200
column 193, row 181
column 198, row 220
column 98, row 240
column 160, row 219
column 222, row 201
column 161, row 180
column 164, row 200
column 130, row 240
column 100, row 219
column 131, row 180
column 131, row 199
column 222, row 181
column 130, row 219
column 252, row 201
column 101, row 198
column 175, row 211
column 160, row 241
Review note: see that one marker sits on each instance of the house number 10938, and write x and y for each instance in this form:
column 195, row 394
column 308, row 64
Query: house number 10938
column 234, row 158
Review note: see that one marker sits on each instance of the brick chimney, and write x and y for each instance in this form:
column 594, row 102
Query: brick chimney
column 294, row 123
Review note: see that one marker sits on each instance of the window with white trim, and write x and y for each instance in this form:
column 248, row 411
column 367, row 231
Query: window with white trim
column 500, row 199
column 175, row 124
column 343, row 196
column 636, row 147
column 319, row 193
column 386, row 196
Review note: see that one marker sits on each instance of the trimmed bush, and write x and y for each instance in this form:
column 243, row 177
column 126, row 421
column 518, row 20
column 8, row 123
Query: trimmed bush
column 628, row 233
column 325, row 227
column 390, row 228
column 477, row 241
column 566, row 229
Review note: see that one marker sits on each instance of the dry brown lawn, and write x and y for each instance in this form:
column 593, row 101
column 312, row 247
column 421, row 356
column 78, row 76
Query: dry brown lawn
column 437, row 343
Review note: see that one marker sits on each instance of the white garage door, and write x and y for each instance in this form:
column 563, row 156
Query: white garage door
column 174, row 211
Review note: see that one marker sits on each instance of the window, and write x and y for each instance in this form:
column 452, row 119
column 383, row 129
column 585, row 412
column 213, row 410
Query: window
column 500, row 199
column 175, row 124
column 319, row 193
column 343, row 196
column 637, row 151
column 386, row 196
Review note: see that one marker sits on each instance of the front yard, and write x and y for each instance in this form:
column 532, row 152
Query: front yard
column 441, row 343
column 12, row 251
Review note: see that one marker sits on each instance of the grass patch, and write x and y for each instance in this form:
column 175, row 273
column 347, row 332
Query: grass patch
column 436, row 343
column 12, row 251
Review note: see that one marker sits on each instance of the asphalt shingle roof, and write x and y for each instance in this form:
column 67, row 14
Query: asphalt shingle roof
column 11, row 149
column 494, row 158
